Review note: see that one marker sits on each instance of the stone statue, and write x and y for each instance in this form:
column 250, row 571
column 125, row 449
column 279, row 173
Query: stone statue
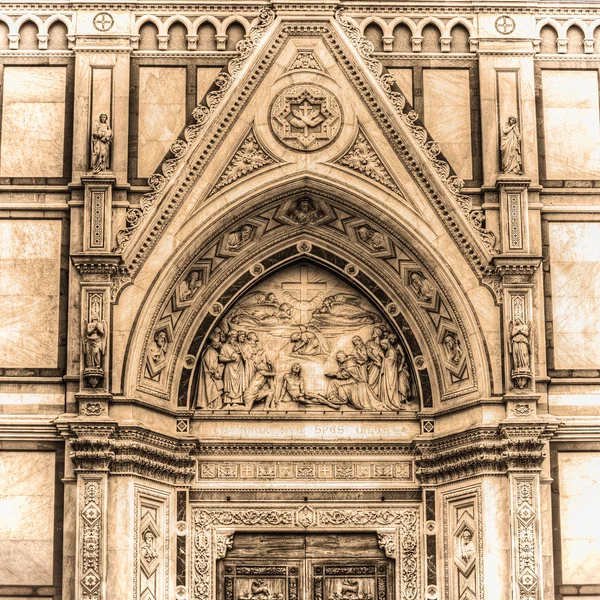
column 210, row 394
column 466, row 546
column 510, row 147
column 102, row 137
column 520, row 350
column 292, row 385
column 94, row 344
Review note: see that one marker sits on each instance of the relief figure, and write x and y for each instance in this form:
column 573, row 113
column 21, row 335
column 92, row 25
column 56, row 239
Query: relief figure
column 261, row 385
column 158, row 349
column 453, row 350
column 233, row 370
column 308, row 341
column 304, row 212
column 189, row 286
column 510, row 147
column 147, row 549
column 466, row 546
column 102, row 136
column 371, row 238
column 292, row 384
column 211, row 375
column 238, row 239
column 421, row 286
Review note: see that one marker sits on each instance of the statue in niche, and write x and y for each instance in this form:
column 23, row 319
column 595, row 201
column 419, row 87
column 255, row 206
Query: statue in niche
column 158, row 348
column 466, row 546
column 102, row 137
column 94, row 345
column 147, row 549
column 211, row 375
column 510, row 147
column 328, row 348
column 421, row 286
column 304, row 212
column 520, row 350
column 238, row 239
column 453, row 350
column 371, row 238
column 189, row 286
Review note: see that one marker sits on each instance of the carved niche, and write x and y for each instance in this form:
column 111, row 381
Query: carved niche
column 303, row 339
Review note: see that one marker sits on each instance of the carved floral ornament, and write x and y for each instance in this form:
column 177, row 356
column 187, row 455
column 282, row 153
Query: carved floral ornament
column 317, row 115
column 309, row 327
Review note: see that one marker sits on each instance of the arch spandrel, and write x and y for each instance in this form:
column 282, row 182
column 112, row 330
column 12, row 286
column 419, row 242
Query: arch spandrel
column 435, row 308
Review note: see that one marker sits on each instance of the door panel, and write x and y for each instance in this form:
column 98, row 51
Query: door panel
column 305, row 567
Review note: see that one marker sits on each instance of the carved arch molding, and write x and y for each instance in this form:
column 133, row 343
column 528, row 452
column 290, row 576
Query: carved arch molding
column 365, row 253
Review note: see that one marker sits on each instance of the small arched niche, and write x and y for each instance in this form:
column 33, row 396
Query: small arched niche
column 305, row 338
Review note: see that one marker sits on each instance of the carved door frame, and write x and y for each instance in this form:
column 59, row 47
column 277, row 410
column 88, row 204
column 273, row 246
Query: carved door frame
column 398, row 528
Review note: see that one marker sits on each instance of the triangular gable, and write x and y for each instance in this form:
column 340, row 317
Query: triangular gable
column 411, row 143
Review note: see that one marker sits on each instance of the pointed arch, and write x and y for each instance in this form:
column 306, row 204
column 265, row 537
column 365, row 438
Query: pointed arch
column 236, row 19
column 460, row 21
column 180, row 19
column 430, row 21
column 63, row 19
column 385, row 275
column 403, row 21
column 214, row 21
column 29, row 17
column 149, row 19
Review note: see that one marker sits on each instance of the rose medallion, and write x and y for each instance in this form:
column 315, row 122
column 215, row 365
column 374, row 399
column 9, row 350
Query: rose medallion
column 306, row 117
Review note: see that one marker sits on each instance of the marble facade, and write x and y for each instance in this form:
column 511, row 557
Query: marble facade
column 299, row 301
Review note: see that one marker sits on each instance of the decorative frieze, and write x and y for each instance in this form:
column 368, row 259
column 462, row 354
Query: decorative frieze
column 305, row 470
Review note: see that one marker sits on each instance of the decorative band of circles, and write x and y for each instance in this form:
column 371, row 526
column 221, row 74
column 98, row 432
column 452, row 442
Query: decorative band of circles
column 351, row 269
column 180, row 592
column 304, row 247
column 392, row 309
column 431, row 592
column 216, row 309
column 189, row 362
column 430, row 527
column 420, row 362
column 257, row 269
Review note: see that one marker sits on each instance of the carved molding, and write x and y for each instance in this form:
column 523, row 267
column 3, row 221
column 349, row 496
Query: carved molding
column 131, row 450
column 401, row 537
column 484, row 451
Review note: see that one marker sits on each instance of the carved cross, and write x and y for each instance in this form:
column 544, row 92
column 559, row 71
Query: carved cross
column 304, row 288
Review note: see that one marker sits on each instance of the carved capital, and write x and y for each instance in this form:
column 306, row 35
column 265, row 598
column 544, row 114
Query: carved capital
column 92, row 446
column 223, row 542
column 387, row 542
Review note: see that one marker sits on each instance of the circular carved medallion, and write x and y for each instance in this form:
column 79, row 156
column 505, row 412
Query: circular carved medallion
column 103, row 21
column 505, row 25
column 306, row 117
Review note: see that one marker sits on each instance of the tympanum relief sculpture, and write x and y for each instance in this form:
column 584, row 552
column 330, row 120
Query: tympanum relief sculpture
column 304, row 340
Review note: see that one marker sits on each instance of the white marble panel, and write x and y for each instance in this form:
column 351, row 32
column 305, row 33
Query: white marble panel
column 571, row 124
column 575, row 276
column 161, row 114
column 447, row 113
column 33, row 118
column 404, row 79
column 206, row 76
column 579, row 484
column 29, row 293
column 26, row 518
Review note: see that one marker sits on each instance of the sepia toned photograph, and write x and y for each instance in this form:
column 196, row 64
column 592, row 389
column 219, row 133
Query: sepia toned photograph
column 299, row 300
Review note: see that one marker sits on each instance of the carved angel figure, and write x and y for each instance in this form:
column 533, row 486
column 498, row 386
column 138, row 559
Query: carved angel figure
column 102, row 137
column 94, row 343
column 510, row 147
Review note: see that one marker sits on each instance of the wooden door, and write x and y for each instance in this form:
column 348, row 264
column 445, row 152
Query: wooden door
column 305, row 567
